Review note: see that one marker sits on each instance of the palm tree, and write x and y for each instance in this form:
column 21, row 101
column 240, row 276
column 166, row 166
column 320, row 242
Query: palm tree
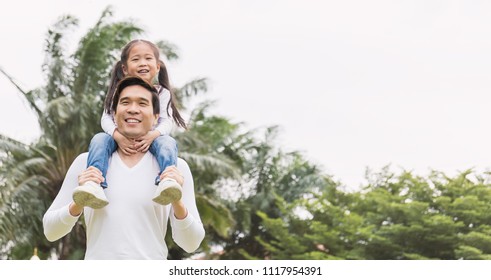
column 68, row 110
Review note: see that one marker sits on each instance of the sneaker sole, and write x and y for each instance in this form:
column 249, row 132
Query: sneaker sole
column 168, row 196
column 87, row 199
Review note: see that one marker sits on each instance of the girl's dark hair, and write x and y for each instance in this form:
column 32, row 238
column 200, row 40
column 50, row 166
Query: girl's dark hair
column 117, row 75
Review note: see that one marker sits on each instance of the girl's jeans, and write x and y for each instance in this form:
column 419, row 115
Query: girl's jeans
column 102, row 146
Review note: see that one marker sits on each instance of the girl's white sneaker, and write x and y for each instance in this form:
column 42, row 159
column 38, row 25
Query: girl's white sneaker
column 90, row 195
column 168, row 191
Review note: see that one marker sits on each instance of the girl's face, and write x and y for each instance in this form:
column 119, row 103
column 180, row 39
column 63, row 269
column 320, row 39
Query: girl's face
column 142, row 62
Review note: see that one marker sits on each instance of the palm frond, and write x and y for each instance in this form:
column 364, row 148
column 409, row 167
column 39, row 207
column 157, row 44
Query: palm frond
column 56, row 66
column 168, row 49
column 216, row 215
column 55, row 37
column 189, row 90
column 97, row 52
column 27, row 95
column 215, row 164
column 8, row 144
column 199, row 112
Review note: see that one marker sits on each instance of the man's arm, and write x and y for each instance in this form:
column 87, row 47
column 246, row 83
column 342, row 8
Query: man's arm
column 57, row 220
column 187, row 228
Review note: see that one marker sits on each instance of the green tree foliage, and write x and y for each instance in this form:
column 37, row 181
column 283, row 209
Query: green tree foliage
column 394, row 217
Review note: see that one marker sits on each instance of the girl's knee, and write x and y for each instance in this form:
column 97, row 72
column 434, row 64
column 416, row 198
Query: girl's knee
column 166, row 140
column 100, row 139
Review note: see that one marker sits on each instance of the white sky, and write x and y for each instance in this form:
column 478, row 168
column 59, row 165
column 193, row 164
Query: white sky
column 353, row 84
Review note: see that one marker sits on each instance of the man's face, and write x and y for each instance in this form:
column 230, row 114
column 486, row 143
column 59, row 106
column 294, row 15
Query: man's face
column 134, row 114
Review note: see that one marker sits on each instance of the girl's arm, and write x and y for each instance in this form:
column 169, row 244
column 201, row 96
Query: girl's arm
column 165, row 122
column 107, row 123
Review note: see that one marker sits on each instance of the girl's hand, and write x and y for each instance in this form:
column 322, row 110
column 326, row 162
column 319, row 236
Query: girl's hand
column 143, row 143
column 126, row 145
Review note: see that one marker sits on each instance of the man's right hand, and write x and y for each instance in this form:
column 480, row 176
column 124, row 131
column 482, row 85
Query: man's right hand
column 90, row 174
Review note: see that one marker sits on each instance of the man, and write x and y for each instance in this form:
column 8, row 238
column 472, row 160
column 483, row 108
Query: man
column 132, row 226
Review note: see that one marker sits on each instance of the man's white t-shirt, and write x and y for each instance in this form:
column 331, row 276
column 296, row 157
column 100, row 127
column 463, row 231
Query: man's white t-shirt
column 131, row 226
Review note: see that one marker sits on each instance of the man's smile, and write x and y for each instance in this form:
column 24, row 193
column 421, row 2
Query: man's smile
column 132, row 120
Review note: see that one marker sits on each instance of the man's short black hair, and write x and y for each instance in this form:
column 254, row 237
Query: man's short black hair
column 132, row 81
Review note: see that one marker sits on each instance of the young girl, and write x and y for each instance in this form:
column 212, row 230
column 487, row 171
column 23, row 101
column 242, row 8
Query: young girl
column 138, row 58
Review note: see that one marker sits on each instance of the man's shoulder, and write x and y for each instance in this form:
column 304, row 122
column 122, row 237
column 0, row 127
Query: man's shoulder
column 84, row 154
column 181, row 163
column 80, row 162
column 183, row 167
column 82, row 157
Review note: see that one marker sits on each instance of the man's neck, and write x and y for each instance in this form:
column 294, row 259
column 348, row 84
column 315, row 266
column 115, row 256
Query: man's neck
column 130, row 160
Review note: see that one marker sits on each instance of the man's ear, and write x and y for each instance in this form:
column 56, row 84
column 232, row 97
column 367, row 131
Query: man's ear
column 156, row 119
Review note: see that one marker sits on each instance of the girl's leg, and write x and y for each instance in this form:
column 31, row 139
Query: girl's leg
column 101, row 147
column 164, row 148
column 91, row 194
